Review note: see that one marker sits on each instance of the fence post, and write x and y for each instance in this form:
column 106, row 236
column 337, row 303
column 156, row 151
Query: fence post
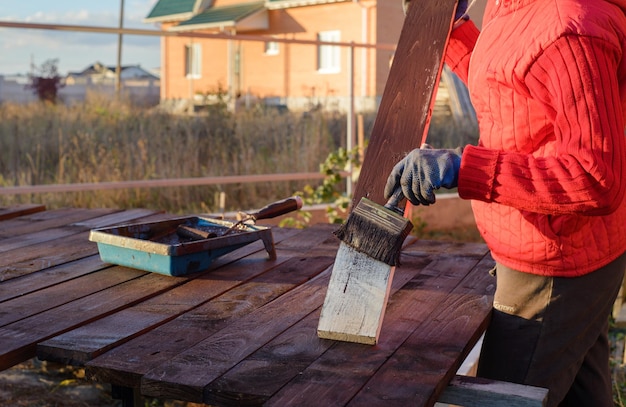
column 350, row 117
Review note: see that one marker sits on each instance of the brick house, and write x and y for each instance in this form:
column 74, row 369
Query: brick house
column 288, row 73
column 269, row 61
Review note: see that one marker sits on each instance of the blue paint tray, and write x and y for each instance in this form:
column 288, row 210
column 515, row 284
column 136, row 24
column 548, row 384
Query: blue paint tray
column 159, row 246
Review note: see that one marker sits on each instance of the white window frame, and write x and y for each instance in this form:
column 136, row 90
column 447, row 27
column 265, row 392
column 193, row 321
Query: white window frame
column 193, row 60
column 272, row 48
column 329, row 56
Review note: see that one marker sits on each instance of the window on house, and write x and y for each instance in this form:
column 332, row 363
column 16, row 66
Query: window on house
column 328, row 56
column 271, row 48
column 193, row 60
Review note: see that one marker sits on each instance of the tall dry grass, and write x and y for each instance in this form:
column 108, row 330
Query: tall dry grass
column 105, row 141
column 102, row 140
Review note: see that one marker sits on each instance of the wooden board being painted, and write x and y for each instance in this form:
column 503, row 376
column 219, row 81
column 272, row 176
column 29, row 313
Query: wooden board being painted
column 407, row 102
column 358, row 285
column 356, row 299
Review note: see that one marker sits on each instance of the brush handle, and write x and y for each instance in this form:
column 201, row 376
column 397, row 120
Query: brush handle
column 278, row 208
column 394, row 201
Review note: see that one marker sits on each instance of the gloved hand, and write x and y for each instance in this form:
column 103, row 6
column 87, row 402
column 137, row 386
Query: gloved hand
column 461, row 9
column 423, row 171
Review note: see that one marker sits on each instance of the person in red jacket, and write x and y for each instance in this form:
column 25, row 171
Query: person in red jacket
column 547, row 79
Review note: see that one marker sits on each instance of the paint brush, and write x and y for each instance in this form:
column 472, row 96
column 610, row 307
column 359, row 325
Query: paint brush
column 375, row 230
column 358, row 290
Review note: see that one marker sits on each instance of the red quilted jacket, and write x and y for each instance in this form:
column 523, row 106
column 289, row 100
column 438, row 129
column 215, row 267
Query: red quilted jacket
column 547, row 79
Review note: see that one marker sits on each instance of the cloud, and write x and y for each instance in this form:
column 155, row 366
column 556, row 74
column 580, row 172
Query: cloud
column 76, row 50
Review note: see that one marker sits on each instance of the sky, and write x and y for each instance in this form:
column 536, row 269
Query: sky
column 22, row 48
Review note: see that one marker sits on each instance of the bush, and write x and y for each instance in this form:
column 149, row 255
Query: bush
column 47, row 82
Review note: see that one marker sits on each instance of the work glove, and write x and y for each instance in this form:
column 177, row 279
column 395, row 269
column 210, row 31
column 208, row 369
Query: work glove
column 423, row 171
column 460, row 14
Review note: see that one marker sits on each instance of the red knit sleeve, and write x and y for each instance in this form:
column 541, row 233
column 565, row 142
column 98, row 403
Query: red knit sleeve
column 576, row 82
column 460, row 47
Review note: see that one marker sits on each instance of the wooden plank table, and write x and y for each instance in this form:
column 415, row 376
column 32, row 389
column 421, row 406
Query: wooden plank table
column 242, row 332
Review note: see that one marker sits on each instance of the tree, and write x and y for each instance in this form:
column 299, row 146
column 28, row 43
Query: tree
column 46, row 82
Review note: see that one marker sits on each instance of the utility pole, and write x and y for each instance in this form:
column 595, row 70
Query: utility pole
column 118, row 70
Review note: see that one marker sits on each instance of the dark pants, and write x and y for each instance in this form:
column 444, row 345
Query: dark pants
column 553, row 333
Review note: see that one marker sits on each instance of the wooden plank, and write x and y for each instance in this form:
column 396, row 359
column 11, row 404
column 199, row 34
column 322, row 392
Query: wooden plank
column 258, row 292
column 185, row 376
column 22, row 243
column 53, row 218
column 127, row 363
column 478, row 392
column 356, row 298
column 53, row 251
column 18, row 340
column 49, row 298
column 359, row 284
column 80, row 345
column 423, row 247
column 255, row 379
column 18, row 287
column 428, row 359
column 128, row 216
column 409, row 95
column 20, row 210
column 342, row 372
column 18, row 262
column 54, row 275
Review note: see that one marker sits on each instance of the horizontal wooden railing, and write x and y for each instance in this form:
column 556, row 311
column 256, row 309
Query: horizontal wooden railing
column 185, row 34
column 159, row 183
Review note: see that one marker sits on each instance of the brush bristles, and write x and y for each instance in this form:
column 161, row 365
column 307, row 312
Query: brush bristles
column 376, row 231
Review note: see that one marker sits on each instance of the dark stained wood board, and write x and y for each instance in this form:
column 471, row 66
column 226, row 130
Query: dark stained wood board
column 20, row 210
column 251, row 340
column 401, row 379
column 213, row 358
column 253, row 380
column 38, row 231
column 270, row 368
column 19, row 262
column 31, row 325
column 209, row 359
column 18, row 287
column 409, row 307
column 18, row 340
column 51, row 250
column 128, row 216
column 29, row 305
column 357, row 296
column 79, row 346
column 407, row 101
column 56, row 274
column 53, row 218
column 138, row 356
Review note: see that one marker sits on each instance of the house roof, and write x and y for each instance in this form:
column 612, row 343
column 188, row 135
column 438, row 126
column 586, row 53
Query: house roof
column 100, row 69
column 169, row 10
column 180, row 10
column 276, row 4
column 232, row 15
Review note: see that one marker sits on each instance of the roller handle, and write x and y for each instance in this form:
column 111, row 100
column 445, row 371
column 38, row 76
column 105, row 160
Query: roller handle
column 278, row 208
column 193, row 233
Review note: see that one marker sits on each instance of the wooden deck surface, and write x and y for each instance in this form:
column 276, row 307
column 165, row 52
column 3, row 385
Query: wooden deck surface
column 242, row 332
